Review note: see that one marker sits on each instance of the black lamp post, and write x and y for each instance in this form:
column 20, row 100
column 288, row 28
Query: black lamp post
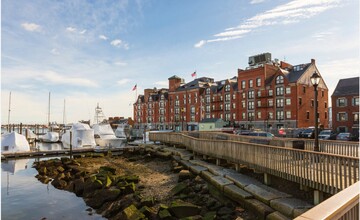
column 315, row 80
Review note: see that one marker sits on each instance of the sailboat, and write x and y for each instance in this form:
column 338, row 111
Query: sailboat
column 50, row 136
column 104, row 134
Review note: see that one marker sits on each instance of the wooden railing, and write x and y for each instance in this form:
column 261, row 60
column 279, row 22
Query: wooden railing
column 343, row 205
column 346, row 148
column 326, row 172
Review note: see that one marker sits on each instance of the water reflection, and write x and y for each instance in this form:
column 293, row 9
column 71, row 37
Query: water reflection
column 24, row 197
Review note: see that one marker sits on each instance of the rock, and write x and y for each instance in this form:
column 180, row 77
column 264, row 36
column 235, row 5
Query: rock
column 79, row 186
column 132, row 213
column 198, row 179
column 65, row 160
column 184, row 174
column 42, row 170
column 107, row 169
column 102, row 196
column 224, row 211
column 178, row 189
column 90, row 187
column 165, row 215
column 148, row 212
column 60, row 184
column 177, row 169
column 60, row 169
column 148, row 201
column 181, row 209
column 210, row 216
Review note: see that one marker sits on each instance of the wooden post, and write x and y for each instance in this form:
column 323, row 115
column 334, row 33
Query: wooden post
column 70, row 145
column 26, row 134
column 267, row 179
column 318, row 197
column 20, row 128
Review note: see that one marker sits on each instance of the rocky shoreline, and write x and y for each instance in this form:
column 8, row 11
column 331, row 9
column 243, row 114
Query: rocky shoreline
column 138, row 185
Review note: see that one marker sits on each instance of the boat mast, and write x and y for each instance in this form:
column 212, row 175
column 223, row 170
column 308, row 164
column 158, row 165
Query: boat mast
column 9, row 112
column 49, row 111
column 64, row 114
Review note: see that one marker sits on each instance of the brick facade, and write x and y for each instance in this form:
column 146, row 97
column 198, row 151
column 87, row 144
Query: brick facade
column 269, row 95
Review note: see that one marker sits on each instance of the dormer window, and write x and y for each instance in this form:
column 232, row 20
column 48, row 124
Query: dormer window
column 227, row 88
column 279, row 80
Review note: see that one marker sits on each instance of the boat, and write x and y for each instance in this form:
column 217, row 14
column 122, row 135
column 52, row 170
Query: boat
column 104, row 134
column 14, row 142
column 80, row 136
column 13, row 166
column 122, row 131
column 50, row 137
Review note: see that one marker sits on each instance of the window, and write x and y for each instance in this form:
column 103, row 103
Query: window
column 288, row 114
column 221, row 107
column 312, row 103
column 227, row 97
column 227, row 117
column 208, row 91
column 270, row 115
column 258, row 114
column 279, row 103
column 279, row 91
column 251, row 116
column 326, row 115
column 243, row 115
column 208, row 99
column 208, row 108
column 233, row 105
column 288, row 101
column 250, row 94
column 341, row 102
column 270, row 92
column 192, row 118
column 300, row 101
column 325, row 103
column 342, row 116
column 213, row 98
column 250, row 105
column 356, row 117
column 288, row 90
column 304, row 89
column 227, row 88
column 243, row 104
column 243, row 84
column 227, row 107
column 258, row 82
column 307, row 115
column 259, row 93
column 322, row 93
column 243, row 95
column 279, row 80
column 234, row 96
column 270, row 103
column 250, row 83
column 258, row 103
column 233, row 116
column 279, row 115
column 355, row 101
column 192, row 110
column 213, row 107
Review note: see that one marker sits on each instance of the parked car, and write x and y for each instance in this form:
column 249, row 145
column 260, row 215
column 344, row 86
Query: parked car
column 261, row 134
column 243, row 132
column 307, row 133
column 343, row 136
column 327, row 135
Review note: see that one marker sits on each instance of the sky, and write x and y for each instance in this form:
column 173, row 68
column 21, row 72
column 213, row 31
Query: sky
column 86, row 53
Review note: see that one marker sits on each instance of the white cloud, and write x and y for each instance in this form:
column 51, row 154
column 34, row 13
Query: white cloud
column 103, row 37
column 54, row 51
column 45, row 77
column 285, row 14
column 256, row 1
column 120, row 63
column 162, row 83
column 71, row 29
column 83, row 31
column 200, row 44
column 116, row 42
column 123, row 81
column 31, row 26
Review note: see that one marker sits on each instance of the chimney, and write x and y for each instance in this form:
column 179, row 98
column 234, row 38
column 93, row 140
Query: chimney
column 313, row 61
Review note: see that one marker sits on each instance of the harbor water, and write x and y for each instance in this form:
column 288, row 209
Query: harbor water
column 24, row 197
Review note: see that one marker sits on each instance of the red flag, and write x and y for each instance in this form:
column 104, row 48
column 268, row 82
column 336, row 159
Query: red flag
column 193, row 74
column 134, row 87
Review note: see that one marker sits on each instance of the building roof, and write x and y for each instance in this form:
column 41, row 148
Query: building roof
column 296, row 72
column 349, row 86
column 174, row 77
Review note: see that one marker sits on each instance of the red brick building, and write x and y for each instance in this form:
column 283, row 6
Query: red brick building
column 266, row 95
column 345, row 106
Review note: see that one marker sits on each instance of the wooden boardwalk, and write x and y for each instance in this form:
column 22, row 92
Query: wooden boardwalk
column 321, row 171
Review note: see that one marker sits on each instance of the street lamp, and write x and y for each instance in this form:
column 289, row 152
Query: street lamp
column 315, row 79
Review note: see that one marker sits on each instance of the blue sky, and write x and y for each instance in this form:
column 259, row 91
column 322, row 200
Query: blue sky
column 89, row 52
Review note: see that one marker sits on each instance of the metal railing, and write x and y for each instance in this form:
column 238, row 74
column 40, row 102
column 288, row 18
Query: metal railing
column 326, row 172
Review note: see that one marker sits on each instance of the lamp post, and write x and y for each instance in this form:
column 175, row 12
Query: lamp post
column 315, row 80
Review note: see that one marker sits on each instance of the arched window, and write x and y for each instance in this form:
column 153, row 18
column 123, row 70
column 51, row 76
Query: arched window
column 279, row 80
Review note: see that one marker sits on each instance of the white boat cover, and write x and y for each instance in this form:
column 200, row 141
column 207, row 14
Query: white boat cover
column 82, row 136
column 120, row 131
column 30, row 134
column 13, row 142
column 50, row 137
column 104, row 131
